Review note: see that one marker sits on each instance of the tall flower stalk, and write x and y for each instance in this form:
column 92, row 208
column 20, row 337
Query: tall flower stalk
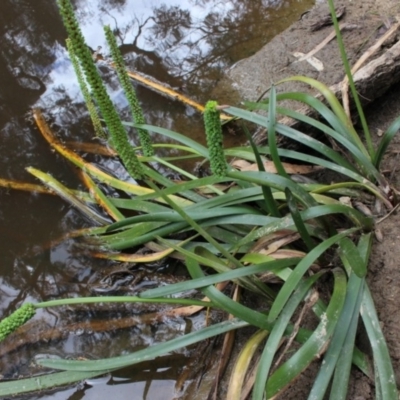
column 136, row 110
column 16, row 319
column 117, row 132
column 212, row 123
column 85, row 92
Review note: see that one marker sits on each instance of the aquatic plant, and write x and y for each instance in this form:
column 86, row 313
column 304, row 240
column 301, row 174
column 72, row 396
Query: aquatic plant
column 117, row 132
column 98, row 128
column 249, row 227
column 212, row 124
column 16, row 319
column 130, row 94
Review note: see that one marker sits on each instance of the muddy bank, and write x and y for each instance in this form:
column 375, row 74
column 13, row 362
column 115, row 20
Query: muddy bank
column 365, row 22
column 369, row 20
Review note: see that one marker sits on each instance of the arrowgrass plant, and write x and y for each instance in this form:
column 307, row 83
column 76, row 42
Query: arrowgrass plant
column 244, row 227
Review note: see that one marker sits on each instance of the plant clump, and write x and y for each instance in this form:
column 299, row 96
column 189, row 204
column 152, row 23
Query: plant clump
column 258, row 227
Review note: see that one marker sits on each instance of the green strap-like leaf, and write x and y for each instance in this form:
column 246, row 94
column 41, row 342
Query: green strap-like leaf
column 43, row 382
column 221, row 277
column 275, row 181
column 66, row 194
column 292, row 282
column 173, row 216
column 148, row 353
column 315, row 344
column 385, row 381
column 296, row 216
column 351, row 256
column 275, row 337
column 313, row 212
column 385, row 141
column 344, row 362
column 271, row 205
column 348, row 316
column 271, row 134
column 335, row 105
column 187, row 141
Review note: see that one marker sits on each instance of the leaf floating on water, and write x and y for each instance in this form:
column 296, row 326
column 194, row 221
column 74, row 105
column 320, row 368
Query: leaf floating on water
column 28, row 187
column 94, row 148
column 67, row 195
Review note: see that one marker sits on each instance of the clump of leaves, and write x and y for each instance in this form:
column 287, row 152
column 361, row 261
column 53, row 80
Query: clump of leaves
column 246, row 227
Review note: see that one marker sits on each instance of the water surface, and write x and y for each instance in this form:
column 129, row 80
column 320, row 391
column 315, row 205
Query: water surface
column 187, row 44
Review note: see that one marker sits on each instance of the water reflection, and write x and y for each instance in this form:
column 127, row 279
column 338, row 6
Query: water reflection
column 186, row 44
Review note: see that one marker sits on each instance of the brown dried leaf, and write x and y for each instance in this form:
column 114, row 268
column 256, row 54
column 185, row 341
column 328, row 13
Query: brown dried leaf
column 379, row 235
column 270, row 243
column 243, row 165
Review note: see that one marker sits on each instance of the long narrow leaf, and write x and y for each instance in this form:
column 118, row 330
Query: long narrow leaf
column 221, row 277
column 349, row 313
column 344, row 362
column 384, row 377
column 238, row 376
column 238, row 310
column 132, row 237
column 276, row 182
column 271, row 134
column 335, row 105
column 65, row 193
column 350, row 253
column 174, row 216
column 353, row 150
column 206, row 258
column 301, row 228
column 102, row 199
column 270, row 203
column 43, row 382
column 315, row 344
column 362, row 182
column 385, row 141
column 187, row 141
column 366, row 166
column 314, row 212
column 349, row 76
column 301, row 268
column 291, row 133
column 258, row 286
column 148, row 353
column 276, row 334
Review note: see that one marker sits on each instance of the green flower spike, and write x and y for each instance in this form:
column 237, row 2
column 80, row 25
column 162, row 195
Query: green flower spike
column 117, row 131
column 212, row 124
column 136, row 110
column 85, row 92
column 16, row 319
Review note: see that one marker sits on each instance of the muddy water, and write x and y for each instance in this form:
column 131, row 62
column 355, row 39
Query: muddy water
column 186, row 44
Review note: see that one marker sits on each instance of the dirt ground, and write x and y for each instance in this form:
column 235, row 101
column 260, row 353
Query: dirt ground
column 367, row 20
column 250, row 77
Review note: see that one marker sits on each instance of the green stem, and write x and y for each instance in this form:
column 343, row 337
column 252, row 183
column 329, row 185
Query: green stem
column 347, row 68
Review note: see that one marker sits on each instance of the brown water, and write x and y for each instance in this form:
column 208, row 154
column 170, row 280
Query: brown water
column 187, row 44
